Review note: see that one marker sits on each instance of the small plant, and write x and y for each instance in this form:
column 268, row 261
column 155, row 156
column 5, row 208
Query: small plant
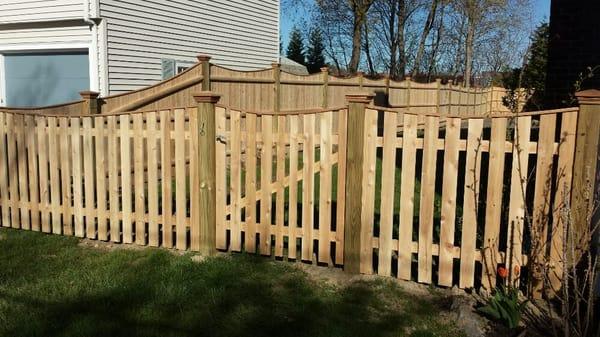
column 505, row 306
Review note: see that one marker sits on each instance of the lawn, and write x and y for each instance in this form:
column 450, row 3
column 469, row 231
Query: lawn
column 54, row 286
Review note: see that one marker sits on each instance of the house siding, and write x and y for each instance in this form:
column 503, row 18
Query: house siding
column 40, row 36
column 241, row 34
column 16, row 11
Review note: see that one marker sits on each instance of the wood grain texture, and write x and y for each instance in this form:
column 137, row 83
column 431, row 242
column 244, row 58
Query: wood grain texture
column 448, row 212
column 407, row 193
column 493, row 210
column 470, row 204
column 388, row 181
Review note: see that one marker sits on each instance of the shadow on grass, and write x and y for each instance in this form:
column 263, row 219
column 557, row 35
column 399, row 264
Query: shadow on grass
column 51, row 287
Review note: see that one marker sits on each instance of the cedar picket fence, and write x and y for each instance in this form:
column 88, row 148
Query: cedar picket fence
column 337, row 186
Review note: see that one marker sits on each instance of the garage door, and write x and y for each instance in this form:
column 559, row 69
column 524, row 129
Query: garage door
column 45, row 78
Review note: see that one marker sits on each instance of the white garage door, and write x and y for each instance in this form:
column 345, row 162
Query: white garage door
column 39, row 79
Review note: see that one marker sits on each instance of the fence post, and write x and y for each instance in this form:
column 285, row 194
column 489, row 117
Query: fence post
column 586, row 156
column 203, row 176
column 355, row 170
column 90, row 102
column 277, row 87
column 205, row 60
column 325, row 88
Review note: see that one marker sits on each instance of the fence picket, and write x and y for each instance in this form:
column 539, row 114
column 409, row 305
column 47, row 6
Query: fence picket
column 42, row 144
column 341, row 186
column 4, row 194
column 518, row 186
column 293, row 190
column 12, row 170
column 280, row 189
column 125, row 132
column 88, row 177
column 138, row 174
column 308, row 157
column 325, row 178
column 266, row 176
column 77, row 175
column 493, row 210
column 368, row 201
column 388, row 178
column 54, row 175
column 22, row 161
column 65, row 175
column 32, row 173
column 564, row 176
column 542, row 195
column 407, row 193
column 448, row 215
column 113, row 179
column 250, row 243
column 180, row 181
column 167, row 182
column 236, row 182
column 470, row 203
column 100, row 148
column 153, row 182
column 426, row 207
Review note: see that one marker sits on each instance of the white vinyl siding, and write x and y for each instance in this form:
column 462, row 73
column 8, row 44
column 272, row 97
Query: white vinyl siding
column 17, row 11
column 241, row 34
column 39, row 37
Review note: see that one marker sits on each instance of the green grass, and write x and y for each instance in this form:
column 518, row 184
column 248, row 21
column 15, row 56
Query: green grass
column 51, row 286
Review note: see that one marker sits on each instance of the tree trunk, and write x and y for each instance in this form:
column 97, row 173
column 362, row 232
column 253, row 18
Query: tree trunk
column 469, row 41
column 424, row 35
column 392, row 40
column 357, row 30
column 368, row 52
column 400, row 39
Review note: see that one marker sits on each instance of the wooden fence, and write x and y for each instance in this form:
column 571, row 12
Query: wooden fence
column 276, row 90
column 445, row 201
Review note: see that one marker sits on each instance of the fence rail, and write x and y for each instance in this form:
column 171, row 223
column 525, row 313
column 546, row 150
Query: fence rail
column 434, row 196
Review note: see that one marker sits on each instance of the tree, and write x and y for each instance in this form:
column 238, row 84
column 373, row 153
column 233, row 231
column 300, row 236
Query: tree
column 532, row 76
column 315, row 59
column 426, row 30
column 295, row 49
column 359, row 8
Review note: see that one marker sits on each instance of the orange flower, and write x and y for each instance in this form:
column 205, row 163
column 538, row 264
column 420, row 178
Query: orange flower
column 502, row 272
column 517, row 270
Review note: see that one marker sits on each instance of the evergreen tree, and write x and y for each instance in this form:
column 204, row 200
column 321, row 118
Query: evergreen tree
column 315, row 59
column 533, row 75
column 295, row 49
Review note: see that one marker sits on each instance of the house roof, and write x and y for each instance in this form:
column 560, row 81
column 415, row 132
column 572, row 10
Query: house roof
column 291, row 66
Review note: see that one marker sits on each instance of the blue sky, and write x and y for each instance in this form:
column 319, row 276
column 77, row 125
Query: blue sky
column 541, row 11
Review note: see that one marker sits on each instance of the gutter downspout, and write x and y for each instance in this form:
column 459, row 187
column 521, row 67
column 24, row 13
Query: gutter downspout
column 93, row 50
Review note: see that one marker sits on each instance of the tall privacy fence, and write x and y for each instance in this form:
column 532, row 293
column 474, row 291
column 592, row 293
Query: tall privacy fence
column 276, row 90
column 369, row 188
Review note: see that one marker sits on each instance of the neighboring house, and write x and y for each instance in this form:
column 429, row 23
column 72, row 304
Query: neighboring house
column 292, row 66
column 574, row 46
column 52, row 49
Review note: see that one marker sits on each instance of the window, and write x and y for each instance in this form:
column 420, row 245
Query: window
column 171, row 68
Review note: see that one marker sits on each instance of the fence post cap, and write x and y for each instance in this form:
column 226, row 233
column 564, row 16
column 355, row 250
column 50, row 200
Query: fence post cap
column 360, row 97
column 203, row 58
column 87, row 94
column 275, row 64
column 589, row 97
column 325, row 69
column 206, row 97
